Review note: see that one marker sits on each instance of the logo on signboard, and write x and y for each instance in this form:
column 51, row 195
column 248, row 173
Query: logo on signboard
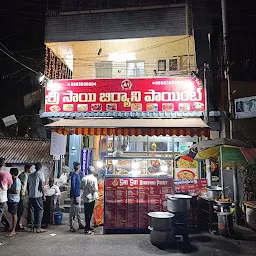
column 115, row 183
column 126, row 84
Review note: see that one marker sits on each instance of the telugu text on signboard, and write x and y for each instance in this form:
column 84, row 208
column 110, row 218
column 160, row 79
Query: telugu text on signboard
column 175, row 94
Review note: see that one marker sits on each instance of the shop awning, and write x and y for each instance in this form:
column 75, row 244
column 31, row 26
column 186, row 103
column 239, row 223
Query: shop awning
column 136, row 127
column 25, row 151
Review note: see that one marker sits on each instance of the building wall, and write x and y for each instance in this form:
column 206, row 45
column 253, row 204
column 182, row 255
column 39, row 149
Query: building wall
column 84, row 55
column 47, row 169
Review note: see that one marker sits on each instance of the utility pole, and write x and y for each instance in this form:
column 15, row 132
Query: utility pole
column 226, row 63
column 206, row 118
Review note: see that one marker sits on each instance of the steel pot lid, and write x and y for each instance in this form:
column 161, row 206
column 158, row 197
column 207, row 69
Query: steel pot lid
column 161, row 215
column 179, row 196
column 193, row 194
column 214, row 188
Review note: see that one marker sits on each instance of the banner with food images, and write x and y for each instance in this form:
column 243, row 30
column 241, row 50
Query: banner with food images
column 171, row 94
column 186, row 169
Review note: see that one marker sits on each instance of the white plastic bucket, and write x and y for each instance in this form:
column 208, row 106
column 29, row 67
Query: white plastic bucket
column 251, row 217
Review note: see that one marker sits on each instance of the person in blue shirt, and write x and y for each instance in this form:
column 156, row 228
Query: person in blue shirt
column 106, row 169
column 14, row 198
column 75, row 188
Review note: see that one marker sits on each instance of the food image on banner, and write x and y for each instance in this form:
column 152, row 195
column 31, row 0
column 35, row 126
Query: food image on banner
column 68, row 107
column 184, row 107
column 214, row 169
column 152, row 107
column 186, row 169
column 186, row 173
column 167, row 107
column 82, row 107
column 96, row 107
column 136, row 107
column 111, row 107
column 198, row 106
column 55, row 108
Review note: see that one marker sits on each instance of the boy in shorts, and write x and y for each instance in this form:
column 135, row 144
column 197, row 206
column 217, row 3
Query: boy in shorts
column 14, row 198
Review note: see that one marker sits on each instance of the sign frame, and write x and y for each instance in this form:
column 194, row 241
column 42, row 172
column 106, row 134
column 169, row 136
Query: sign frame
column 180, row 96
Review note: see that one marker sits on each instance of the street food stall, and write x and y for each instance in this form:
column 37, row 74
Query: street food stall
column 231, row 155
column 137, row 129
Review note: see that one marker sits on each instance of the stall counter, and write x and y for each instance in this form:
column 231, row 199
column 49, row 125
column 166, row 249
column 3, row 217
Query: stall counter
column 129, row 199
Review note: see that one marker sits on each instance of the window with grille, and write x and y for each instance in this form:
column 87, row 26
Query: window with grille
column 162, row 65
column 103, row 69
column 173, row 64
column 135, row 68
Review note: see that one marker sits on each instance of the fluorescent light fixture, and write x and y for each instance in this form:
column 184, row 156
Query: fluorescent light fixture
column 41, row 78
column 99, row 164
column 135, row 173
column 135, row 165
column 164, row 168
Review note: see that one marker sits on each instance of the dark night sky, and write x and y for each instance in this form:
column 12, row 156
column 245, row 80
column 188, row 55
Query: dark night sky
column 22, row 33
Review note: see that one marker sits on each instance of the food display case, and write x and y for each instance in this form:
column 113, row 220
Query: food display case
column 149, row 155
column 136, row 185
column 140, row 165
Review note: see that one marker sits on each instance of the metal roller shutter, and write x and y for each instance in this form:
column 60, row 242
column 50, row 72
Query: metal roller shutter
column 116, row 25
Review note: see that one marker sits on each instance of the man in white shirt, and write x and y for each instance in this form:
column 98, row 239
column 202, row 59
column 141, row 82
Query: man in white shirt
column 90, row 189
column 52, row 193
column 51, row 189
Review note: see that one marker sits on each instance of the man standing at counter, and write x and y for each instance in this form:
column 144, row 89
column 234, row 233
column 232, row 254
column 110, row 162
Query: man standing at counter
column 90, row 187
column 75, row 198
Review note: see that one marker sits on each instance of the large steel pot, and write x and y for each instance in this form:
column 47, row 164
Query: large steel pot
column 214, row 192
column 178, row 203
column 159, row 238
column 161, row 221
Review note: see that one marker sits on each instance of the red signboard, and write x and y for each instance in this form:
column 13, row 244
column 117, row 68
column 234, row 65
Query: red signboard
column 128, row 201
column 193, row 186
column 174, row 94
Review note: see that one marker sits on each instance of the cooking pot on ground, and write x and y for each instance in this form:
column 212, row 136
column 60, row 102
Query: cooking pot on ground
column 214, row 192
column 161, row 221
column 178, row 203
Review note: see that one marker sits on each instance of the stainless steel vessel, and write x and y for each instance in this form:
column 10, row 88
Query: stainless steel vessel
column 178, row 203
column 214, row 192
column 161, row 221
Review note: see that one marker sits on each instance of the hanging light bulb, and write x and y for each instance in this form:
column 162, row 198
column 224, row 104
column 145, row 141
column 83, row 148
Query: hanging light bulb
column 41, row 79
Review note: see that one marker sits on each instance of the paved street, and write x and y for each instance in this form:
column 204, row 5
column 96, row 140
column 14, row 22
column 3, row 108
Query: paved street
column 66, row 243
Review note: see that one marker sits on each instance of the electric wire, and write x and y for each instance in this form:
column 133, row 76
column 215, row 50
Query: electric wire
column 22, row 64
